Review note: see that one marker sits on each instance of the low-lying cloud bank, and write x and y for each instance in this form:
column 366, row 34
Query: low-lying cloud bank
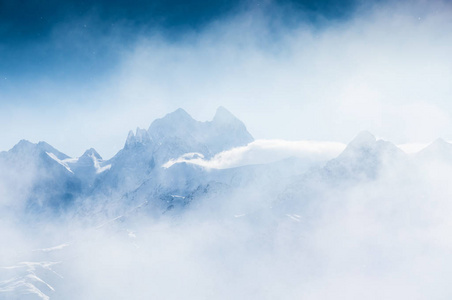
column 264, row 151
column 269, row 151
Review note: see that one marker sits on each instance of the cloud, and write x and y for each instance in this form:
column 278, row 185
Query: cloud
column 264, row 151
column 269, row 151
column 383, row 238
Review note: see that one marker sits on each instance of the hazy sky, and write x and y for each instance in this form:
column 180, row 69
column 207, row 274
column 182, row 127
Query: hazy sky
column 82, row 75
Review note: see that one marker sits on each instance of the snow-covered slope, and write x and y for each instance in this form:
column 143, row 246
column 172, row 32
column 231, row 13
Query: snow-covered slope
column 134, row 176
column 363, row 158
column 38, row 176
column 50, row 179
column 178, row 133
column 87, row 167
column 439, row 150
column 112, row 211
column 139, row 162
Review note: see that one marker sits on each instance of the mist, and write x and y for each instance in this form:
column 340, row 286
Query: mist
column 303, row 211
column 383, row 236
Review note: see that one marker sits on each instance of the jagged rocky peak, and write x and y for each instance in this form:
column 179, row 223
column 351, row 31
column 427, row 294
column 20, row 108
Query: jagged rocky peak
column 141, row 136
column 130, row 138
column 178, row 133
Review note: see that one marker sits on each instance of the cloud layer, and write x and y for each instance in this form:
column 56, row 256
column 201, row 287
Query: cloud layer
column 265, row 151
column 386, row 237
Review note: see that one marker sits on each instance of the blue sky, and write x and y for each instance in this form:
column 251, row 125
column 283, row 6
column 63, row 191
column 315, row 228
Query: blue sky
column 42, row 38
column 82, row 74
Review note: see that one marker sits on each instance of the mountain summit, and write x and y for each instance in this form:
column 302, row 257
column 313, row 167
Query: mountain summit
column 363, row 157
column 222, row 115
column 439, row 150
column 170, row 137
column 179, row 129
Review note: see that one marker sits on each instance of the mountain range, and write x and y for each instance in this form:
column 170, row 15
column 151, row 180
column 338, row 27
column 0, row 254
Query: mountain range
column 69, row 224
column 39, row 178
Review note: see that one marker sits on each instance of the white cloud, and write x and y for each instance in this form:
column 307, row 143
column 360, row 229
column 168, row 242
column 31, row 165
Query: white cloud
column 268, row 151
column 264, row 151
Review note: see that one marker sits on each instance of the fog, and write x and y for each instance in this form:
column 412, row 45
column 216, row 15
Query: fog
column 289, row 221
column 383, row 237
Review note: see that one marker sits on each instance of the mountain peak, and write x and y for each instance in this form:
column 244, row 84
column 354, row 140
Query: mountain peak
column 178, row 123
column 441, row 143
column 363, row 139
column 91, row 152
column 25, row 146
column 141, row 136
column 178, row 114
column 439, row 148
column 177, row 118
column 130, row 139
column 23, row 143
column 366, row 144
column 222, row 115
column 364, row 157
column 438, row 145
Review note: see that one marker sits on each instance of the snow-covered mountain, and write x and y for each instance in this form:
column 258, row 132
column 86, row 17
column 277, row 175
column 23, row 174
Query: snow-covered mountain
column 37, row 176
column 138, row 165
column 363, row 158
column 159, row 214
column 178, row 133
column 57, row 180
column 135, row 176
column 439, row 150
